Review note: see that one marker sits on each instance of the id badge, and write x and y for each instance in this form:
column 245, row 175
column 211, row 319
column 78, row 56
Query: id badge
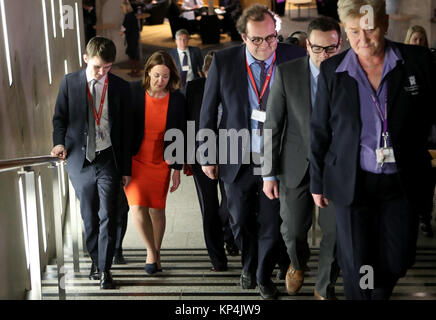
column 385, row 155
column 185, row 68
column 258, row 115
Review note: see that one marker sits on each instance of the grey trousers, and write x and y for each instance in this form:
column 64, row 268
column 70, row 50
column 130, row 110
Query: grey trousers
column 296, row 211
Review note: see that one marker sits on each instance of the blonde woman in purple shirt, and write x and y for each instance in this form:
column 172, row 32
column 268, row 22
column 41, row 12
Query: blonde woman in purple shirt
column 369, row 155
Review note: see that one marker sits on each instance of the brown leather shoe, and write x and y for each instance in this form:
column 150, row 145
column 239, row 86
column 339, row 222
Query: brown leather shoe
column 320, row 297
column 294, row 280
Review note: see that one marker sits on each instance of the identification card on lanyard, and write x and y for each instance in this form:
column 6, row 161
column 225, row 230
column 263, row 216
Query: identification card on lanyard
column 258, row 114
column 97, row 115
column 384, row 154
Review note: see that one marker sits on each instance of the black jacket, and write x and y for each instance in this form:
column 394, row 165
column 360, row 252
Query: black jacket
column 175, row 117
column 70, row 120
column 227, row 83
column 336, row 127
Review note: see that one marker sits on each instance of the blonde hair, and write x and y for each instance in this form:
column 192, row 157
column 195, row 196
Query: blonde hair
column 126, row 7
column 351, row 8
column 414, row 29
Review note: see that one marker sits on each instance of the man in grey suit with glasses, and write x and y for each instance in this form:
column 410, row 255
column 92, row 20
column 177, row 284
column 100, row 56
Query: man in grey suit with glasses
column 289, row 109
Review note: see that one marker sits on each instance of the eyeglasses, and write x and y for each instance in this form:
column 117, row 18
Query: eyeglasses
column 319, row 49
column 257, row 41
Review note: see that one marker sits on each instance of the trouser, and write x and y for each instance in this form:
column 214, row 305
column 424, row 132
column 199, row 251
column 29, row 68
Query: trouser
column 378, row 232
column 216, row 228
column 255, row 222
column 122, row 216
column 97, row 186
column 296, row 210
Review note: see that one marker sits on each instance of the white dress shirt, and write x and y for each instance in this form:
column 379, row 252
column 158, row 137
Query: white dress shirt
column 190, row 75
column 102, row 132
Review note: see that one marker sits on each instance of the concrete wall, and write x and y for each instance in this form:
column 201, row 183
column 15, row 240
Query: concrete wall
column 26, row 109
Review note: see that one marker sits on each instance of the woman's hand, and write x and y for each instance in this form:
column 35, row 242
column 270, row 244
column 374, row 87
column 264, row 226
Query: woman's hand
column 176, row 180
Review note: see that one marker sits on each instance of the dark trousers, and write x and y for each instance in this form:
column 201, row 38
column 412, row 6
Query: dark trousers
column 379, row 230
column 255, row 222
column 97, row 186
column 296, row 210
column 216, row 228
column 122, row 214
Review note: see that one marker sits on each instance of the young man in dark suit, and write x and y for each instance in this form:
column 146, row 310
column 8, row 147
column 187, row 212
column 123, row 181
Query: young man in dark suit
column 188, row 59
column 289, row 108
column 238, row 80
column 91, row 131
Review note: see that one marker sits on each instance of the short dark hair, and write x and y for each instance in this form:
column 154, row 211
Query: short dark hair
column 101, row 47
column 256, row 12
column 324, row 24
column 157, row 58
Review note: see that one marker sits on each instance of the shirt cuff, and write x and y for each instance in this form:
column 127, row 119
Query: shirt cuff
column 272, row 178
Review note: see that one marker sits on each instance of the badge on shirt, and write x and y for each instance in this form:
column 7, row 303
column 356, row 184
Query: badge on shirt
column 413, row 87
column 258, row 115
column 185, row 68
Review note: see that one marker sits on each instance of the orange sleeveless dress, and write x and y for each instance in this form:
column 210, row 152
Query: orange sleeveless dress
column 150, row 173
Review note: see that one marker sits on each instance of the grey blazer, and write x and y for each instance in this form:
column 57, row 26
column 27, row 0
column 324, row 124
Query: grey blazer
column 288, row 115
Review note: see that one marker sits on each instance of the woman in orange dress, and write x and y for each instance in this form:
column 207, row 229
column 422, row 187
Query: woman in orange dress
column 158, row 107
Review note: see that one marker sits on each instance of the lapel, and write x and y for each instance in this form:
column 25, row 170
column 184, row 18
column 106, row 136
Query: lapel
column 306, row 88
column 111, row 94
column 306, row 98
column 177, row 60
column 83, row 95
column 240, row 77
column 350, row 87
column 394, row 78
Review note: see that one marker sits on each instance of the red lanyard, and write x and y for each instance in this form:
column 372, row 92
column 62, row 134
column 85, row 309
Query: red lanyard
column 100, row 109
column 267, row 79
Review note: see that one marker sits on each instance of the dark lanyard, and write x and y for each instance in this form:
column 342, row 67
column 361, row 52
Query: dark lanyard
column 97, row 116
column 265, row 84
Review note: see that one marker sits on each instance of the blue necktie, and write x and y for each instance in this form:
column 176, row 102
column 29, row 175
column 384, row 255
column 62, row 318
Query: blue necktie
column 265, row 95
column 184, row 73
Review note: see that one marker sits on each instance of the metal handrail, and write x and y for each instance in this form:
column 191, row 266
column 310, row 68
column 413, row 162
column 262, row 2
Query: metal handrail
column 12, row 164
column 25, row 167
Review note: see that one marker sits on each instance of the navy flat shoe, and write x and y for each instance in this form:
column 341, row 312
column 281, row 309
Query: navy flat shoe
column 151, row 268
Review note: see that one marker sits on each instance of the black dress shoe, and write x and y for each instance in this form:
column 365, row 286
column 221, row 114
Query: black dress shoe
column 94, row 274
column 232, row 249
column 106, row 281
column 218, row 269
column 268, row 291
column 247, row 281
column 426, row 229
column 119, row 259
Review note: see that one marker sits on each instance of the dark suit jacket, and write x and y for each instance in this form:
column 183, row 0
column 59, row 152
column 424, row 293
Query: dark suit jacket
column 194, row 97
column 196, row 60
column 175, row 117
column 288, row 116
column 70, row 120
column 336, row 127
column 227, row 84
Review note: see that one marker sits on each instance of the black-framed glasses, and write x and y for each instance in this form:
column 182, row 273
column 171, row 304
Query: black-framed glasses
column 319, row 49
column 257, row 41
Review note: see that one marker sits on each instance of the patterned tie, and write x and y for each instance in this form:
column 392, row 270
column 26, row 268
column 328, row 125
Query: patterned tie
column 184, row 73
column 90, row 145
column 265, row 95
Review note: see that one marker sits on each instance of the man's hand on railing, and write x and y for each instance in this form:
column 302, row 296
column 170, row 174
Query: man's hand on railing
column 59, row 151
column 126, row 180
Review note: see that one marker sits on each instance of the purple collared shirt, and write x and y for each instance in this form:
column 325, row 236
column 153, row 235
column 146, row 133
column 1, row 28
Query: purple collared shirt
column 372, row 123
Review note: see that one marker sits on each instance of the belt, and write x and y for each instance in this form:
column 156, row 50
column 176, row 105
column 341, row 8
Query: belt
column 103, row 152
